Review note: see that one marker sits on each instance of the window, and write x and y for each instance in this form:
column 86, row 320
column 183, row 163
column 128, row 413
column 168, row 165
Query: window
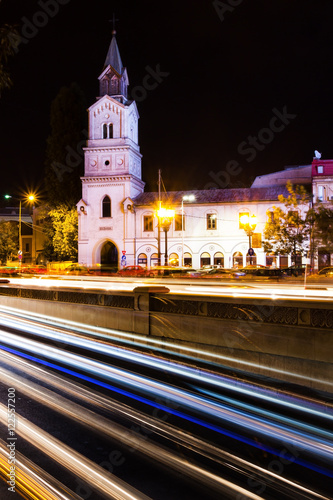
column 211, row 221
column 320, row 169
column 241, row 214
column 107, row 131
column 187, row 259
column 106, row 207
column 142, row 259
column 27, row 247
column 179, row 222
column 219, row 259
column 148, row 223
column 204, row 259
column 321, row 193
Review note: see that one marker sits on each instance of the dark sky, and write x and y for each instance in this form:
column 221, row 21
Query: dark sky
column 226, row 76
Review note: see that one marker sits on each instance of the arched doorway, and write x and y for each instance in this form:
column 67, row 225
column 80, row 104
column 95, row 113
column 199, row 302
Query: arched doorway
column 109, row 255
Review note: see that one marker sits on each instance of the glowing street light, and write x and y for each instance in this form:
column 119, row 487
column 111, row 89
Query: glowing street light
column 249, row 224
column 30, row 198
column 165, row 217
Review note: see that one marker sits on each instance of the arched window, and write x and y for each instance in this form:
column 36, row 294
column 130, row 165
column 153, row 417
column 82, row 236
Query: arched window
column 187, row 259
column 219, row 259
column 154, row 259
column 237, row 259
column 107, row 131
column 142, row 259
column 204, row 259
column 173, row 259
column 106, row 207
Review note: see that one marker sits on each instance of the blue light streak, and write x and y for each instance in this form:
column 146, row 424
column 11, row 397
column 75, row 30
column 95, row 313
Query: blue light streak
column 165, row 408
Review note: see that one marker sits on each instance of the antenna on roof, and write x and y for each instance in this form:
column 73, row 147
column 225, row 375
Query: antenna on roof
column 317, row 154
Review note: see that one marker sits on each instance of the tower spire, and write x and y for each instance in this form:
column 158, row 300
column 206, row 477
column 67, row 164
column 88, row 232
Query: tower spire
column 114, row 80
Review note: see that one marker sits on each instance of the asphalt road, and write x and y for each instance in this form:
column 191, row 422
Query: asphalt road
column 100, row 417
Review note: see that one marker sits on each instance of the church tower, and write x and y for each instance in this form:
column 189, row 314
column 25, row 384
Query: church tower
column 112, row 168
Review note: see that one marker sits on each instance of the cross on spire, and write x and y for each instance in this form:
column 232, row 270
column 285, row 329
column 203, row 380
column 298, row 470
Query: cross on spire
column 113, row 21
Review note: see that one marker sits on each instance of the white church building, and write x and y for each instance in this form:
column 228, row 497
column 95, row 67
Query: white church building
column 118, row 223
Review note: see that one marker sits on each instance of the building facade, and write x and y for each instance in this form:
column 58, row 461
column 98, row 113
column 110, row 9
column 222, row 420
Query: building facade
column 118, row 223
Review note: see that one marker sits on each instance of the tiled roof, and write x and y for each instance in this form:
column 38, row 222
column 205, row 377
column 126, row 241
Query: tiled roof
column 214, row 196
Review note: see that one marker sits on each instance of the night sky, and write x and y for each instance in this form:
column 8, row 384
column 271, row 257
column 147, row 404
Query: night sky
column 227, row 72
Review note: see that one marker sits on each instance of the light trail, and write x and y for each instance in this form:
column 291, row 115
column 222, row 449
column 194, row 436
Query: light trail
column 310, row 444
column 99, row 479
column 155, row 425
column 271, row 291
column 31, row 480
column 101, row 424
column 102, row 346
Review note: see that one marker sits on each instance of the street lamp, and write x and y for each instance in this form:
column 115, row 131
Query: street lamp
column 165, row 217
column 30, row 198
column 187, row 197
column 249, row 224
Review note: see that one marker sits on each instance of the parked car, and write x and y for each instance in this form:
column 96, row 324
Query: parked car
column 220, row 273
column 259, row 272
column 77, row 269
column 132, row 271
column 35, row 269
column 325, row 272
column 298, row 270
column 9, row 271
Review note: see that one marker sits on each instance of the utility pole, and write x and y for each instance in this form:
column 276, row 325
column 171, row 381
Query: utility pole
column 159, row 222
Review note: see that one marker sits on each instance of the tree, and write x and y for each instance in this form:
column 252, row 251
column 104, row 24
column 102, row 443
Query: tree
column 322, row 228
column 61, row 228
column 287, row 231
column 8, row 240
column 7, row 49
column 64, row 154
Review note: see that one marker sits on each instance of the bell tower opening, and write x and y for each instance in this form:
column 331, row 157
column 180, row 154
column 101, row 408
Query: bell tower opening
column 109, row 255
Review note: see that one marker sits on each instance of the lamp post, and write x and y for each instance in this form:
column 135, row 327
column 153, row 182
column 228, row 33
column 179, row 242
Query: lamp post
column 187, row 197
column 29, row 198
column 249, row 224
column 165, row 216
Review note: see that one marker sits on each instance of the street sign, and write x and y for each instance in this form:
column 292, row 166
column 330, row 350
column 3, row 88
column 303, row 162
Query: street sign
column 123, row 252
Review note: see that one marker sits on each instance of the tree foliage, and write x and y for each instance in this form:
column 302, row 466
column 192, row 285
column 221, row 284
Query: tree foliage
column 8, row 240
column 322, row 228
column 287, row 231
column 64, row 154
column 61, row 230
column 6, row 51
